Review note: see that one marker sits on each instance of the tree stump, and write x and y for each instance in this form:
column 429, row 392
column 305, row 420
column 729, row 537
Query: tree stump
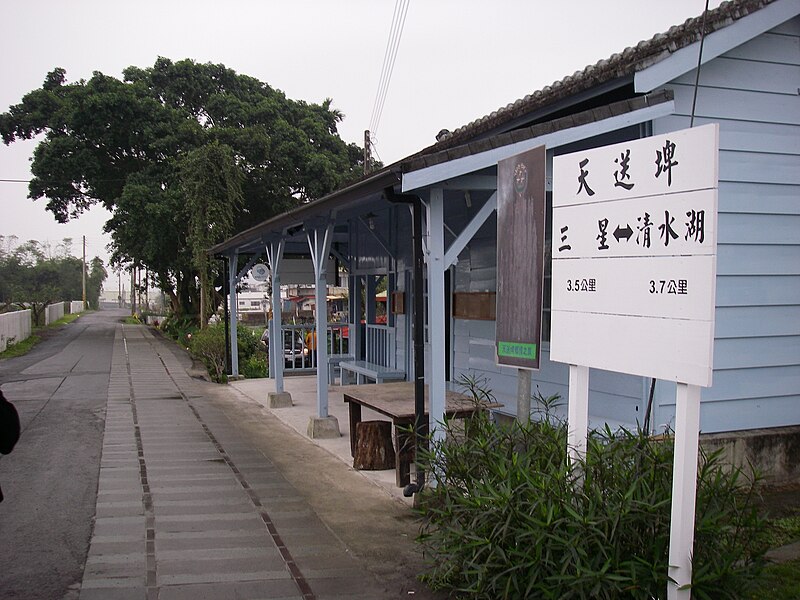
column 374, row 449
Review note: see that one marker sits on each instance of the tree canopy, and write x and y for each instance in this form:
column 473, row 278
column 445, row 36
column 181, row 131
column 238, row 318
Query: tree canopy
column 128, row 144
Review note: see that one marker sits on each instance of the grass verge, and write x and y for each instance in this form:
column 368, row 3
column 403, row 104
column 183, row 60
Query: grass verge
column 20, row 348
column 778, row 582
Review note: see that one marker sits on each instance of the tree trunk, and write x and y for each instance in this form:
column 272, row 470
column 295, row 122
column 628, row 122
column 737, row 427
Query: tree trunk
column 203, row 300
column 374, row 449
column 166, row 287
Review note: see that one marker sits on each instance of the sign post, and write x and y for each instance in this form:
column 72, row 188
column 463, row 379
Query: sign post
column 633, row 287
column 520, row 267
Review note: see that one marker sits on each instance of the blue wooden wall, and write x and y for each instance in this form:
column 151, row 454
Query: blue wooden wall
column 752, row 92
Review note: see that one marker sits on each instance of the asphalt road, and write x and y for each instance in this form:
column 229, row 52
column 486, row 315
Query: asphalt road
column 50, row 480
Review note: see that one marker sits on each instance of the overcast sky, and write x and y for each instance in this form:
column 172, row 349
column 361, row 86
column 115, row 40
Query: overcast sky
column 458, row 60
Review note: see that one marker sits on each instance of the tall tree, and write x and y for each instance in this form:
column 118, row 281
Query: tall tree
column 94, row 282
column 125, row 143
column 212, row 188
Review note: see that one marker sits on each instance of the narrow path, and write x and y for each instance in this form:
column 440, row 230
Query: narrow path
column 50, row 479
column 188, row 509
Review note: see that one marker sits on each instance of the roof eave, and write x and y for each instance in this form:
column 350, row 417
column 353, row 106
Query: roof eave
column 327, row 205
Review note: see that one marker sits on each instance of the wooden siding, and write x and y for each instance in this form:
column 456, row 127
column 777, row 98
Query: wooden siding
column 752, row 92
column 614, row 398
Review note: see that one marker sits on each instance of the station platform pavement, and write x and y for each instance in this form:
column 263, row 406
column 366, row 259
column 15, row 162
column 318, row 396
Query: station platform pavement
column 203, row 493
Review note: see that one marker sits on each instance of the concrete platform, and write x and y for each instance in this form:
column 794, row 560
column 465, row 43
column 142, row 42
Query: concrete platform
column 204, row 493
column 304, row 397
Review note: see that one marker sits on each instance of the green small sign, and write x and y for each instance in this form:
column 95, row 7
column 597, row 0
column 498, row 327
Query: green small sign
column 516, row 350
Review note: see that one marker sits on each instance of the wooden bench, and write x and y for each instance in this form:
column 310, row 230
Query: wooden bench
column 361, row 369
column 334, row 360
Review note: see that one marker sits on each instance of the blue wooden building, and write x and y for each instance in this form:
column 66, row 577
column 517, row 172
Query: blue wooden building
column 748, row 83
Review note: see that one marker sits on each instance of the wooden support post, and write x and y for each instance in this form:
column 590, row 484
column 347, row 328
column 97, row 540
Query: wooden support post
column 436, row 316
column 523, row 396
column 319, row 242
column 274, row 258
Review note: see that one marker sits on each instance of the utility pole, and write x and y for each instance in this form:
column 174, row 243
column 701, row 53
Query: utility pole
column 84, row 273
column 367, row 154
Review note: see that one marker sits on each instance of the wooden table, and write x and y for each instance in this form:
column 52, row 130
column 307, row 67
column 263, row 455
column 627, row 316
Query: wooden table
column 396, row 401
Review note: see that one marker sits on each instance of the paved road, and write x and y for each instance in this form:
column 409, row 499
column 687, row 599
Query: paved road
column 50, row 480
column 199, row 492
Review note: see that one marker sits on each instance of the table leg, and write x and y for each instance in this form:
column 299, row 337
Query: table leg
column 405, row 452
column 355, row 419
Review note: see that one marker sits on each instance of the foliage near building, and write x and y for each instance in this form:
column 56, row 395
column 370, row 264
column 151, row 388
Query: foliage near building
column 512, row 517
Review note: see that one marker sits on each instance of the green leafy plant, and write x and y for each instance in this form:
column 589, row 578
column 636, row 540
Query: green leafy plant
column 254, row 366
column 180, row 328
column 20, row 348
column 510, row 517
column 209, row 346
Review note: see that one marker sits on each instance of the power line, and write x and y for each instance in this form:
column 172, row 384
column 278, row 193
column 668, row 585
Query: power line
column 386, row 54
column 392, row 61
column 389, row 58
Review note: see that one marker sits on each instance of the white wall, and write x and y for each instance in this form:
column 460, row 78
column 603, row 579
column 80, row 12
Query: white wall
column 14, row 327
column 53, row 313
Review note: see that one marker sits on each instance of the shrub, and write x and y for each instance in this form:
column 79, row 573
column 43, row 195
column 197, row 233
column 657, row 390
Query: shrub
column 247, row 342
column 510, row 516
column 209, row 346
column 180, row 329
column 254, row 366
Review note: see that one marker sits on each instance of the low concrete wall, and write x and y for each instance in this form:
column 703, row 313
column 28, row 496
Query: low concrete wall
column 76, row 306
column 14, row 327
column 773, row 452
column 53, row 313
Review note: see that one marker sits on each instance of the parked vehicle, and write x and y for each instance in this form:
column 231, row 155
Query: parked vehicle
column 296, row 353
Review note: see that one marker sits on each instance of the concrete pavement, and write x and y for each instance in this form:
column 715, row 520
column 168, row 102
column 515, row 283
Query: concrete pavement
column 50, row 479
column 203, row 494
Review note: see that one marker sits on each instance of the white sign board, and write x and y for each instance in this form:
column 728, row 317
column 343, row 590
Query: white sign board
column 634, row 256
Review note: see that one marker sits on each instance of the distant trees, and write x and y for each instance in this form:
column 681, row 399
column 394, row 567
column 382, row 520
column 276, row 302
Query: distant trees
column 33, row 275
column 182, row 154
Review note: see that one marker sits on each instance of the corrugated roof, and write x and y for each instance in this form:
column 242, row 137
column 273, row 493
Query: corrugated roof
column 626, row 63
